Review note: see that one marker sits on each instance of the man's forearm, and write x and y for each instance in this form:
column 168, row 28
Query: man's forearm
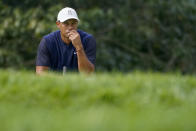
column 84, row 65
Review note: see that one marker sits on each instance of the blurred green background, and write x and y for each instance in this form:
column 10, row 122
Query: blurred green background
column 156, row 35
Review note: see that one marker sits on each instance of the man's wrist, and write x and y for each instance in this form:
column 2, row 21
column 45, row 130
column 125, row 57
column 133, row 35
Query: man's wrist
column 79, row 49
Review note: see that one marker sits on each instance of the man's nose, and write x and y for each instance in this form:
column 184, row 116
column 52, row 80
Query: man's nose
column 70, row 26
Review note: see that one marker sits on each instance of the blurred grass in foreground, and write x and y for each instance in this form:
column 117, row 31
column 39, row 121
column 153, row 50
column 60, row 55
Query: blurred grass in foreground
column 98, row 102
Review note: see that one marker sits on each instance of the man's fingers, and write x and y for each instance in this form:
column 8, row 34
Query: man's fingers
column 72, row 33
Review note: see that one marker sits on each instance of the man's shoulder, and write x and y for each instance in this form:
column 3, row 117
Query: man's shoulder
column 84, row 35
column 87, row 39
column 51, row 39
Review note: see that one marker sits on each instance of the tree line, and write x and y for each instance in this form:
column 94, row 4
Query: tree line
column 131, row 34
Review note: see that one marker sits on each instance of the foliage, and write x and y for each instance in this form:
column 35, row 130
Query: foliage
column 137, row 34
column 104, row 102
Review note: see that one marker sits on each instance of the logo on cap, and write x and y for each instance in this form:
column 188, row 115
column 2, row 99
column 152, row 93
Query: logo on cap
column 69, row 12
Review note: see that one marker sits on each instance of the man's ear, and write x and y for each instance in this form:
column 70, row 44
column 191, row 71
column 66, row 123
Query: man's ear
column 58, row 24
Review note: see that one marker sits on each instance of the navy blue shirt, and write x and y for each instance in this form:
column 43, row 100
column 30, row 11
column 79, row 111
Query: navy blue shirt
column 56, row 54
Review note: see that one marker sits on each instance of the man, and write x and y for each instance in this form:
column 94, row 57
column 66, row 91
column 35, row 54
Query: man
column 68, row 47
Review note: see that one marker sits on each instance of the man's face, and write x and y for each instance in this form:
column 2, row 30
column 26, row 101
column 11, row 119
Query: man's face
column 67, row 26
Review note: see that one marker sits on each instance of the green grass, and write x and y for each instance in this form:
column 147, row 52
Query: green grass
column 98, row 102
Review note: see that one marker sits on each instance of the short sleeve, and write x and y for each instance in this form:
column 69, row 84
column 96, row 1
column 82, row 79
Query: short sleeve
column 90, row 49
column 43, row 57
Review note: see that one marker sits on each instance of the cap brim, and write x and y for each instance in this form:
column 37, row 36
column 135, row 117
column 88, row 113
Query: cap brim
column 69, row 19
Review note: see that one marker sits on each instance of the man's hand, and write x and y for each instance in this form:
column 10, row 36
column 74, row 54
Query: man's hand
column 74, row 36
column 41, row 69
